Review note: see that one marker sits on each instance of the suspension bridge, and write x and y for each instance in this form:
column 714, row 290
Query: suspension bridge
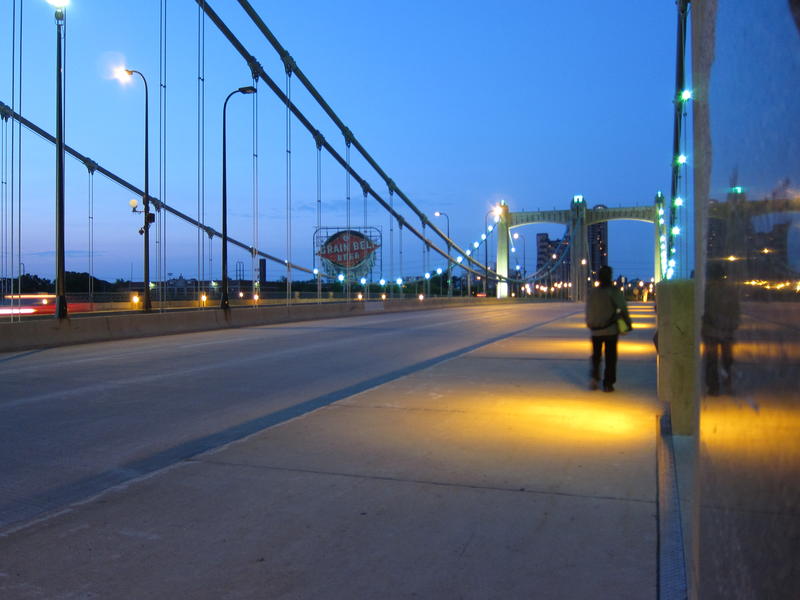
column 416, row 254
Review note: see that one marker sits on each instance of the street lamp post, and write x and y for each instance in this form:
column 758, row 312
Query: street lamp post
column 524, row 256
column 439, row 213
column 224, row 301
column 61, row 294
column 486, row 255
column 496, row 212
column 148, row 216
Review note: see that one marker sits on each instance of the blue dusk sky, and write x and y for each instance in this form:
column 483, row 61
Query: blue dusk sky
column 461, row 103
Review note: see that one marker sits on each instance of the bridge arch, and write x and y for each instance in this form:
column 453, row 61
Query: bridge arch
column 577, row 220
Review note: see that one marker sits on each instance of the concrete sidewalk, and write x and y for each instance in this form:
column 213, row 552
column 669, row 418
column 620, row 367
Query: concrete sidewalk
column 497, row 474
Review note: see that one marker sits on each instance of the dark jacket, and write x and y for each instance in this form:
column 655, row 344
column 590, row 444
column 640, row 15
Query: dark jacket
column 603, row 307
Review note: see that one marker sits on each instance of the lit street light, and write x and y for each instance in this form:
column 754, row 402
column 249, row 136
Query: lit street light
column 61, row 293
column 224, row 301
column 125, row 75
column 496, row 211
column 439, row 213
column 524, row 254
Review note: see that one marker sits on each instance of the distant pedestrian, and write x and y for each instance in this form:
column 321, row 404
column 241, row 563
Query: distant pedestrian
column 605, row 305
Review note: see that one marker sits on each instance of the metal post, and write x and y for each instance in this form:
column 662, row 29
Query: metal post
column 61, row 296
column 486, row 256
column 680, row 83
column 439, row 213
column 146, row 305
column 224, row 303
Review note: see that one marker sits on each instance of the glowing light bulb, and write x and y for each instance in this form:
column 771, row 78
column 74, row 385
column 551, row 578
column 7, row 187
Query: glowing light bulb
column 686, row 95
column 382, row 281
column 678, row 201
column 676, row 230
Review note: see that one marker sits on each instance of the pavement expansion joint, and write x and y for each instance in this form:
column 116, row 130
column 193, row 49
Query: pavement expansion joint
column 466, row 486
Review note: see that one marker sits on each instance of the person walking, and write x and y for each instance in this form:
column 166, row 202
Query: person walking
column 605, row 306
column 721, row 316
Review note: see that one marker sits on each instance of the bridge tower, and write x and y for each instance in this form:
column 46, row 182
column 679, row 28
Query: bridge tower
column 578, row 249
column 502, row 251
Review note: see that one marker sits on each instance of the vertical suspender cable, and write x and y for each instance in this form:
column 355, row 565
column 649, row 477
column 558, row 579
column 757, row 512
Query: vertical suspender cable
column 424, row 260
column 3, row 185
column 391, row 241
column 91, row 233
column 288, row 186
column 347, row 209
column 4, row 208
column 3, row 196
column 161, row 230
column 366, row 295
column 14, row 125
column 16, row 142
column 319, row 214
column 254, row 250
column 201, row 242
column 400, row 246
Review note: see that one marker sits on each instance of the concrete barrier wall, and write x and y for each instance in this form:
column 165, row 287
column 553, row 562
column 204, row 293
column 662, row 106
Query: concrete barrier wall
column 47, row 333
column 677, row 367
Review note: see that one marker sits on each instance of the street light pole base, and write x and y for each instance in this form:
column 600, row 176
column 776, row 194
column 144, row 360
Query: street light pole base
column 224, row 304
column 61, row 307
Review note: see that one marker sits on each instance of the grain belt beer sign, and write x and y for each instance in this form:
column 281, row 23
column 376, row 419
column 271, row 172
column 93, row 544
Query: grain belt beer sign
column 348, row 250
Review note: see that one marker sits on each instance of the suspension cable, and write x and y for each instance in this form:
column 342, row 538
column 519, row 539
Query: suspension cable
column 348, row 253
column 3, row 204
column 425, row 263
column 234, row 41
column 391, row 239
column 210, row 231
column 16, row 148
column 90, row 171
column 161, row 231
column 288, row 187
column 399, row 279
column 319, row 212
column 201, row 61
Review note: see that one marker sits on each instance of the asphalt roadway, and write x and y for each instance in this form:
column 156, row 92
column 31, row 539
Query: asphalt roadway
column 76, row 420
column 444, row 453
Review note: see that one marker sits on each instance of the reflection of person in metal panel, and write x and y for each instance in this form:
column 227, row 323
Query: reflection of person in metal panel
column 720, row 321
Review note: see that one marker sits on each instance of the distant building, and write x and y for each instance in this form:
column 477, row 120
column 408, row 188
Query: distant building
column 545, row 249
column 598, row 245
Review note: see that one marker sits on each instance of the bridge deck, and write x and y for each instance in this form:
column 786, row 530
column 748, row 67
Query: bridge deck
column 495, row 473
